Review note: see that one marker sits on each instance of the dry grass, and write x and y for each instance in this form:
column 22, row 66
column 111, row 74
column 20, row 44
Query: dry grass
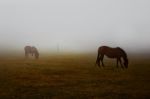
column 73, row 76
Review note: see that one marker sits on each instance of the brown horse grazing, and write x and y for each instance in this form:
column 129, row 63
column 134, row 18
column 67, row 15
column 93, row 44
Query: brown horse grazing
column 117, row 53
column 31, row 50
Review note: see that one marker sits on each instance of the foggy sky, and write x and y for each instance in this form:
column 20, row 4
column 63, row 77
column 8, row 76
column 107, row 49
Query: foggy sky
column 75, row 25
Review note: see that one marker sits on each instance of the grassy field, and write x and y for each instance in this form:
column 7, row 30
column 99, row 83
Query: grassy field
column 73, row 76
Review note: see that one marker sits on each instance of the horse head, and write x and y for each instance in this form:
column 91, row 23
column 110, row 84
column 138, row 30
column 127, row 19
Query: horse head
column 36, row 55
column 34, row 51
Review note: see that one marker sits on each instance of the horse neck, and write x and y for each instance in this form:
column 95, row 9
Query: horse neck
column 36, row 52
column 125, row 59
column 124, row 55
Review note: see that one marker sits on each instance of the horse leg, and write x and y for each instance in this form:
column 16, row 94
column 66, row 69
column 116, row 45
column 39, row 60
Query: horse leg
column 26, row 54
column 117, row 62
column 99, row 63
column 101, row 58
column 98, row 59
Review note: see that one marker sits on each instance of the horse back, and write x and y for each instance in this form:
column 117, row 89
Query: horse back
column 110, row 52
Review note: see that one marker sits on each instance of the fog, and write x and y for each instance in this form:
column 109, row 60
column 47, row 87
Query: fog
column 74, row 25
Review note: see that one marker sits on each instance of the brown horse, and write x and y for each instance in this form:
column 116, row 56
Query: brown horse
column 117, row 53
column 31, row 50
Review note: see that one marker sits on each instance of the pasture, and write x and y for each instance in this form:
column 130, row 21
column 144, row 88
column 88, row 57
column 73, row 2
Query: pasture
column 73, row 76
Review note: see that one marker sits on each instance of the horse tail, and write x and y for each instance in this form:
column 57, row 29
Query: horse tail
column 98, row 55
column 27, row 51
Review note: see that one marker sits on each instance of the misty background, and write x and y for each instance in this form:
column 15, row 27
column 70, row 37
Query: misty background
column 74, row 25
